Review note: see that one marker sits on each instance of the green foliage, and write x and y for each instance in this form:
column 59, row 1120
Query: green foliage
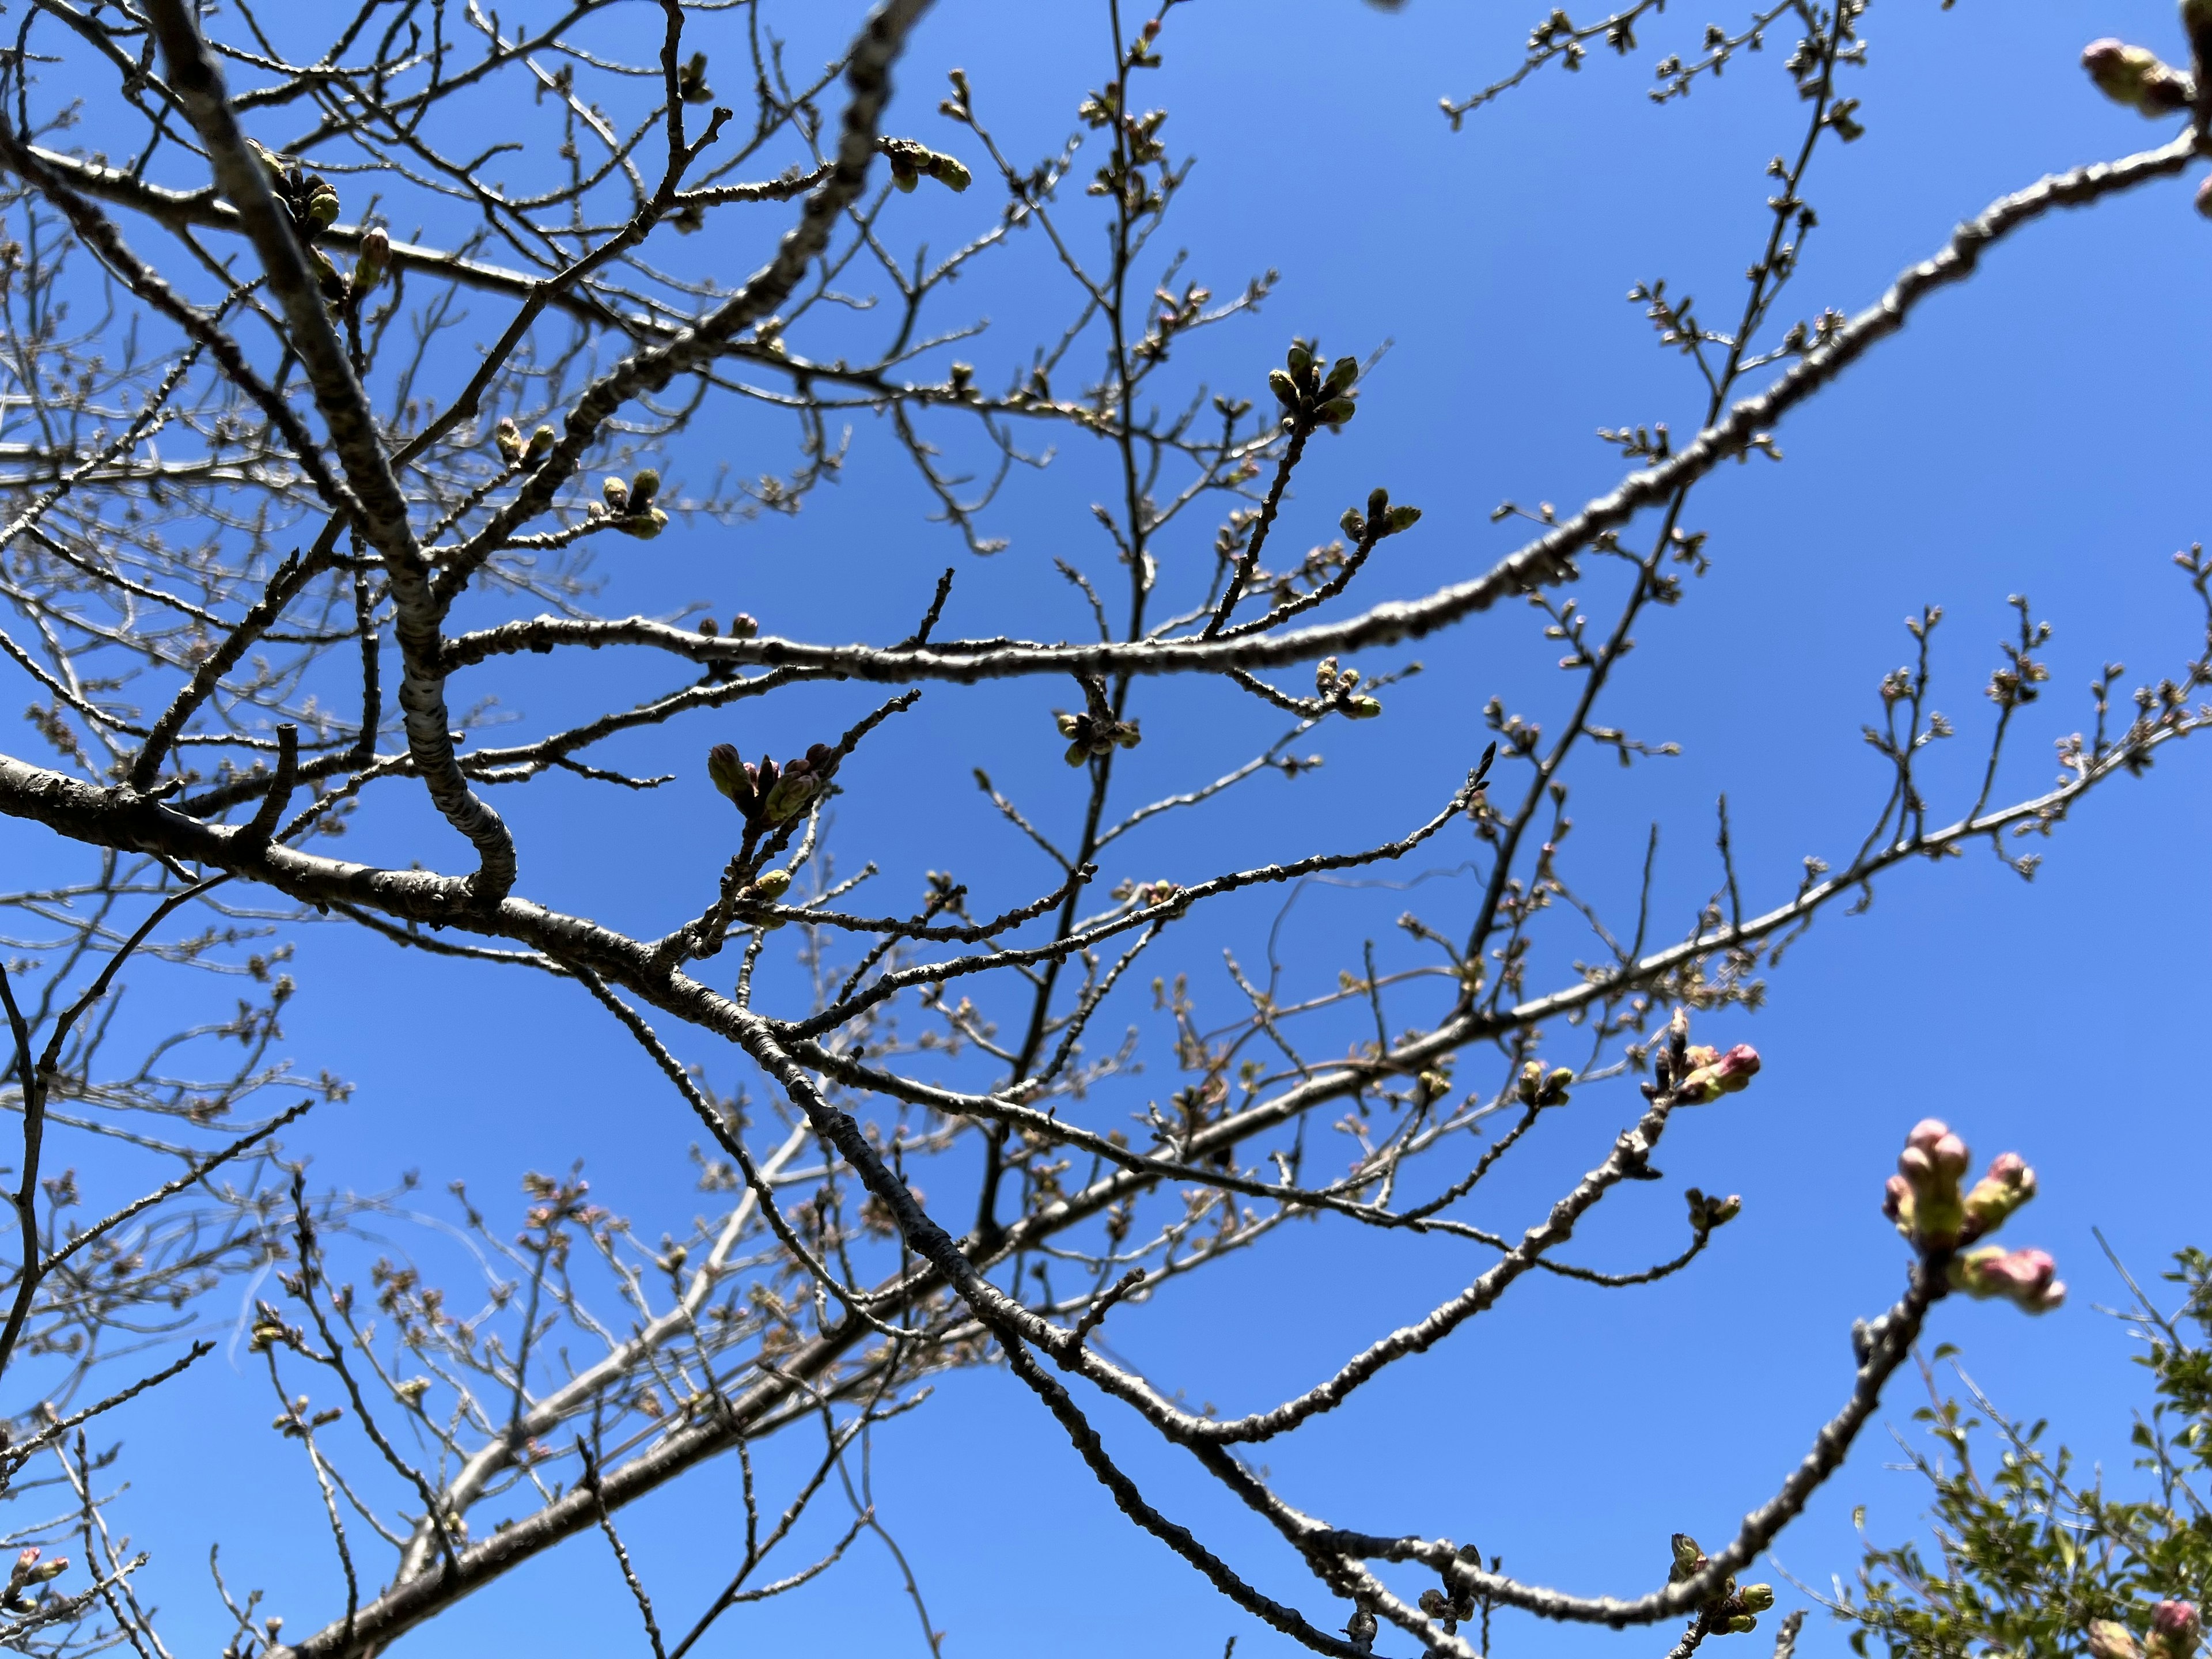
column 2026, row 1557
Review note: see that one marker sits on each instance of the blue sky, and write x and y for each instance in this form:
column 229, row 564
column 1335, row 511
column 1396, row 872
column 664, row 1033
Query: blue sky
column 2042, row 431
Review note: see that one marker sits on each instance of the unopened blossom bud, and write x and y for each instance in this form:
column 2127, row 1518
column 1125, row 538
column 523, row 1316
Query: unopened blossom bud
column 1730, row 1074
column 507, row 437
column 1336, row 413
column 1362, row 708
column 645, row 526
column 1742, row 1625
column 2009, row 1184
column 541, row 445
column 1353, row 526
column 1688, row 1558
column 1285, row 388
column 1341, row 374
column 616, row 491
column 644, row 485
column 2027, row 1279
column 1300, row 358
column 1402, row 519
column 2111, row 1639
column 2134, row 77
column 1756, row 1598
column 1897, row 1203
column 323, row 206
column 1433, row 1603
column 2175, row 1629
column 743, row 626
column 772, row 884
column 725, row 769
column 29, row 1570
column 791, row 794
column 375, row 255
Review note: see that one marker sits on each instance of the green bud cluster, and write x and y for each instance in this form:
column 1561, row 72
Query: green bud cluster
column 1709, row 1211
column 912, row 162
column 514, row 449
column 629, row 504
column 766, row 795
column 311, row 199
column 1539, row 1085
column 1308, row 396
column 2134, row 77
column 1337, row 687
column 1731, row 1612
column 1380, row 520
column 1093, row 731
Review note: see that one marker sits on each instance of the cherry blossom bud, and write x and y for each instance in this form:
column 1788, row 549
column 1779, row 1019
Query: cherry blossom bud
column 1336, row 413
column 771, row 884
column 1897, row 1203
column 726, row 770
column 2027, row 1279
column 541, row 445
column 1688, row 1558
column 2134, row 77
column 1362, row 708
column 1757, row 1598
column 1300, row 358
column 2009, row 1184
column 2175, row 1629
column 1285, row 388
column 616, row 491
column 1353, row 526
column 645, row 526
column 1742, row 1625
column 2111, row 1639
column 1341, row 374
column 507, row 437
column 1728, row 1074
column 644, row 485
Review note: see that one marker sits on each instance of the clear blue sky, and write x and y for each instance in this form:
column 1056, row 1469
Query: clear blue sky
column 2042, row 431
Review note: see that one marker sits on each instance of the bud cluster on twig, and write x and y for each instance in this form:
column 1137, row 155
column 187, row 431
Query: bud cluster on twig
column 1924, row 1200
column 628, row 504
column 1095, row 730
column 1310, row 397
column 1731, row 1612
column 29, row 1570
column 768, row 795
column 2176, row 1629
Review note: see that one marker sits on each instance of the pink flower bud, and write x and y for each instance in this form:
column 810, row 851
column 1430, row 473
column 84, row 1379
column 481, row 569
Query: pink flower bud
column 1914, row 1165
column 2174, row 1630
column 2009, row 1184
column 1926, row 1132
column 2027, row 1279
column 1950, row 1155
column 1897, row 1203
